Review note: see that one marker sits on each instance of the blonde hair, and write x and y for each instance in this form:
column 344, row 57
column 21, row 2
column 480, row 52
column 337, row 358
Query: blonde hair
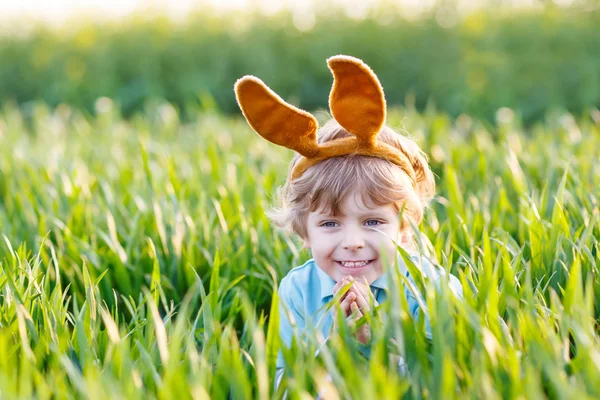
column 380, row 182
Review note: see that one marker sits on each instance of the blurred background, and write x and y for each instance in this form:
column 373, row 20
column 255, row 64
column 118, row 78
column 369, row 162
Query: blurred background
column 461, row 57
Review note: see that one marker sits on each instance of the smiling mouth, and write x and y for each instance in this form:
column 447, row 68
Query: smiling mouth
column 354, row 264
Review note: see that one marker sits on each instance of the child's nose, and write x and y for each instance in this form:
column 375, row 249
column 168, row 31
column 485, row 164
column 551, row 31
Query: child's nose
column 353, row 240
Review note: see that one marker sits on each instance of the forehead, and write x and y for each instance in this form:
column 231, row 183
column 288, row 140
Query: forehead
column 358, row 203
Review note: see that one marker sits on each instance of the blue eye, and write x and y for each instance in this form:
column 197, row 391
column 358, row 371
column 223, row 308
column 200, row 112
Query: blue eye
column 329, row 224
column 373, row 222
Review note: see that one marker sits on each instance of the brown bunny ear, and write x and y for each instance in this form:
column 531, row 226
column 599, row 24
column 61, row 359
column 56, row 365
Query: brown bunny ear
column 356, row 100
column 274, row 119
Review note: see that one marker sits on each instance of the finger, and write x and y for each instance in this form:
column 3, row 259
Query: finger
column 345, row 281
column 342, row 281
column 356, row 311
column 361, row 301
column 351, row 299
column 345, row 305
column 352, row 315
column 351, row 318
column 336, row 287
column 363, row 290
column 363, row 295
column 366, row 290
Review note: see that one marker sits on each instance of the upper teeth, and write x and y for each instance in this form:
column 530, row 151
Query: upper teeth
column 354, row 263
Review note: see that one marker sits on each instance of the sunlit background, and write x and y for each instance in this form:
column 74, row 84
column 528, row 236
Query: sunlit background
column 460, row 56
column 57, row 11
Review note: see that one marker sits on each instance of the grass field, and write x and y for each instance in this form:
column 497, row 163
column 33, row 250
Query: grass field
column 136, row 262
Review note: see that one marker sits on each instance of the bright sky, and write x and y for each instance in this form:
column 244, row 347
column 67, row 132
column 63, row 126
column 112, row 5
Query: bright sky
column 55, row 11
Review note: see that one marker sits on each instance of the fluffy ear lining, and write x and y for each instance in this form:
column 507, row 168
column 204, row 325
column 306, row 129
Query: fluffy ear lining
column 356, row 100
column 274, row 119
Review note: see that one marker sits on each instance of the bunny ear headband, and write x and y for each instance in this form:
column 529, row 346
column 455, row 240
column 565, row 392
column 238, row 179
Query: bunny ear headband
column 356, row 102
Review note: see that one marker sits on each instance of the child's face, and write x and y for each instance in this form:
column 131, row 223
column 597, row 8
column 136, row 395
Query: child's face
column 350, row 244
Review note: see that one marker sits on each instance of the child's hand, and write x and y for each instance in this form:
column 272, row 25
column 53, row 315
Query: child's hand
column 355, row 303
column 359, row 292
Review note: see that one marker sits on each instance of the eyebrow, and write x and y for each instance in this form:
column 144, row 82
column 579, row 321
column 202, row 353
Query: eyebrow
column 372, row 214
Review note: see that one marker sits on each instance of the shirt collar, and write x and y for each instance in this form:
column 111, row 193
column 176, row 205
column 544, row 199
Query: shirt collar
column 381, row 282
column 327, row 283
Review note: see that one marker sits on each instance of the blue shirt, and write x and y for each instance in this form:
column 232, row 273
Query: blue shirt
column 306, row 289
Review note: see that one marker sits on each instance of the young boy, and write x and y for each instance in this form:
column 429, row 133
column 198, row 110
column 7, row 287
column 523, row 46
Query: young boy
column 344, row 193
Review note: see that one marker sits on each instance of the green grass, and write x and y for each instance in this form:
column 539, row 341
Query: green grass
column 136, row 262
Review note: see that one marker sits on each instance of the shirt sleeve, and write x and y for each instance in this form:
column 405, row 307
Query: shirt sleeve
column 290, row 318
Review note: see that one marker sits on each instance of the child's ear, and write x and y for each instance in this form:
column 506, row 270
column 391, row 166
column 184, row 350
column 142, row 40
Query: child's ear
column 405, row 236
